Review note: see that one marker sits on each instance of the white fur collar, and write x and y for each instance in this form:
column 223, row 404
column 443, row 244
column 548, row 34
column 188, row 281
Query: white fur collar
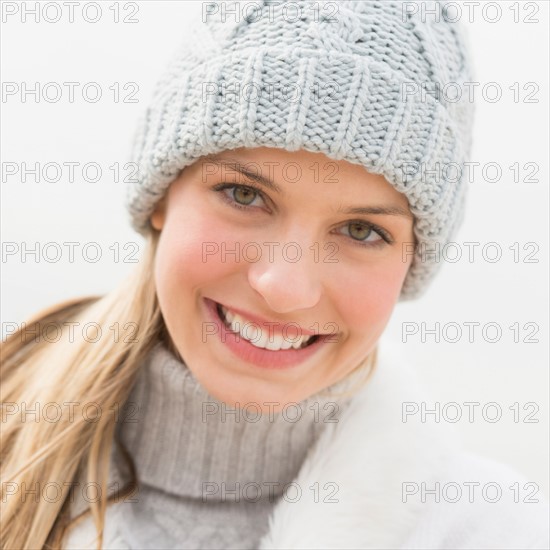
column 369, row 454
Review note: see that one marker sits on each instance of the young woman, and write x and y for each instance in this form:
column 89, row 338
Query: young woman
column 238, row 396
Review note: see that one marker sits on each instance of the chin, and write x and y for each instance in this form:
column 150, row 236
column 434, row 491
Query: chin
column 255, row 395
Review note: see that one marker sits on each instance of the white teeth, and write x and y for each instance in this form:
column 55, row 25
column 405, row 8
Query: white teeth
column 261, row 339
column 278, row 343
column 287, row 344
column 247, row 330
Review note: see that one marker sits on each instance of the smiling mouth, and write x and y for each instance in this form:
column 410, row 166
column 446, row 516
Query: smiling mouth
column 277, row 342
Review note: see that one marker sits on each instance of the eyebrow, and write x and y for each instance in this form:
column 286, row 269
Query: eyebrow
column 238, row 167
column 376, row 210
column 272, row 186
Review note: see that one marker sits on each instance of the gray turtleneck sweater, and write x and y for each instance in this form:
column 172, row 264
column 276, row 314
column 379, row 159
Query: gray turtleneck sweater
column 209, row 477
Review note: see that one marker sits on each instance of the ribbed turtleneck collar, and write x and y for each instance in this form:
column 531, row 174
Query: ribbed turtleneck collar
column 185, row 442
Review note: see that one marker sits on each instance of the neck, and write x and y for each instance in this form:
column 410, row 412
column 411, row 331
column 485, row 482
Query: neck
column 187, row 443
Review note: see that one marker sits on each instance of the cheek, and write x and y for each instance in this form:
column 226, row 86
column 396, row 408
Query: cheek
column 376, row 290
column 189, row 254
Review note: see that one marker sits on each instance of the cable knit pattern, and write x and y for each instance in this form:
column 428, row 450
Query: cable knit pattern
column 333, row 85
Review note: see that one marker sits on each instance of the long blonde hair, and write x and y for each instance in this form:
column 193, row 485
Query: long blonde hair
column 49, row 363
column 41, row 367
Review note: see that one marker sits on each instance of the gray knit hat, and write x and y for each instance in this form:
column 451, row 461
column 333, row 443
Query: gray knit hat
column 361, row 81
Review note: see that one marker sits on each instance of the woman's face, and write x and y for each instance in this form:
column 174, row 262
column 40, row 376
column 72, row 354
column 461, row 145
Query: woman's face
column 271, row 235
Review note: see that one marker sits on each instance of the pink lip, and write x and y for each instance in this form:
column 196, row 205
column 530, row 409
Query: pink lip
column 245, row 350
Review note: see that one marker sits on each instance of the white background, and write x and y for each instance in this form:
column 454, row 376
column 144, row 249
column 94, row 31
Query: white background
column 504, row 212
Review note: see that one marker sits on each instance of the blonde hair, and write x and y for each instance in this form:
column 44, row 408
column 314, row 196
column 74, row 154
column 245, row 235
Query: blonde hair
column 37, row 370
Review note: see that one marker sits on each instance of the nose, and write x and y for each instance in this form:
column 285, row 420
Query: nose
column 288, row 279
